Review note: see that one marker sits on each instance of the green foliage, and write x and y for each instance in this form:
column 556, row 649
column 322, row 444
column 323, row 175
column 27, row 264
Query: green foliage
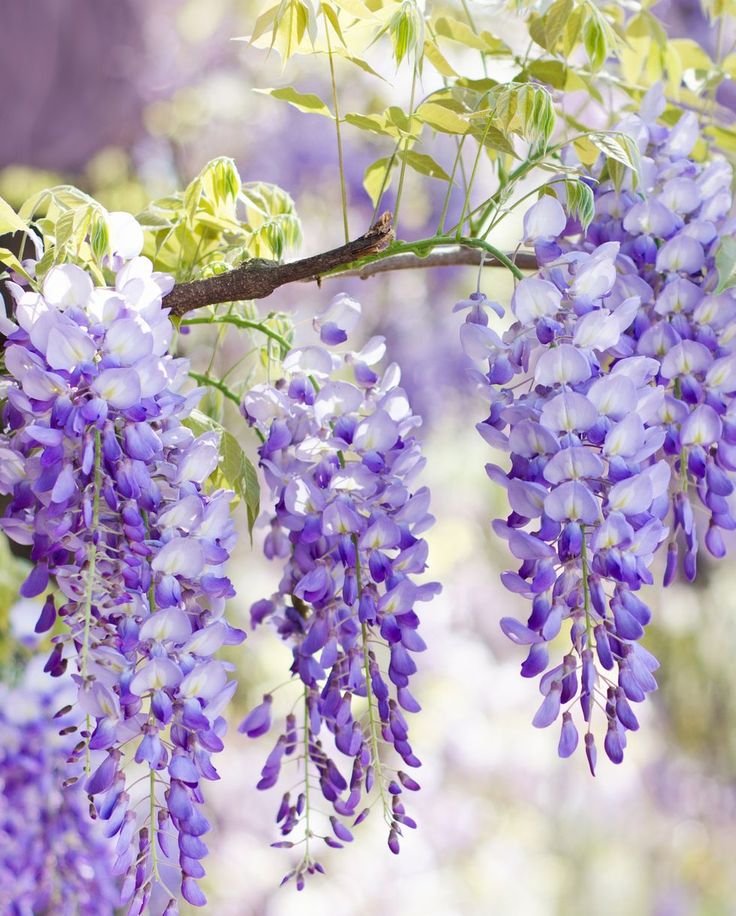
column 511, row 111
column 726, row 263
column 73, row 227
column 235, row 470
column 218, row 222
column 580, row 201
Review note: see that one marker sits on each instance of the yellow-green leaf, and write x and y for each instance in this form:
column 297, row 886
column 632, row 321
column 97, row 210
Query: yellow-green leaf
column 424, row 164
column 441, row 118
column 303, row 101
column 8, row 259
column 375, row 179
column 9, row 219
column 372, row 122
column 438, row 60
column 726, row 263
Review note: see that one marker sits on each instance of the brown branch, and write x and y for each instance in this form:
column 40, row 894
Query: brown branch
column 456, row 256
column 258, row 278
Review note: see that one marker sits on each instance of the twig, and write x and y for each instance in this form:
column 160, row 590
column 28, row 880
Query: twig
column 455, row 256
column 258, row 278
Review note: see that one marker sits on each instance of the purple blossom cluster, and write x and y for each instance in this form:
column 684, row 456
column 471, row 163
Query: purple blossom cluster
column 342, row 460
column 53, row 859
column 107, row 487
column 613, row 393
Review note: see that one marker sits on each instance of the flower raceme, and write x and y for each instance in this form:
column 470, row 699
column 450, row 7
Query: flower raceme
column 107, row 488
column 612, row 393
column 342, row 461
column 53, row 859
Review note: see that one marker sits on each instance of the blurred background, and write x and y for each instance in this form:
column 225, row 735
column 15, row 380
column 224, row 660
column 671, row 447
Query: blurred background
column 128, row 99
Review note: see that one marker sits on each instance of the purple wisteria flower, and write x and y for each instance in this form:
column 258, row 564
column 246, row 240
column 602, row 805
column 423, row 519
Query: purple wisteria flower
column 53, row 859
column 107, row 486
column 613, row 394
column 342, row 461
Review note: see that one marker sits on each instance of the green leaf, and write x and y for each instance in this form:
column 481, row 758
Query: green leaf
column 595, row 43
column 239, row 472
column 235, row 466
column 406, row 28
column 221, row 184
column 552, row 72
column 99, row 236
column 726, row 263
column 358, row 62
column 9, row 219
column 424, row 164
column 332, row 17
column 556, row 20
column 371, row 122
column 525, row 109
column 457, row 30
column 403, row 122
column 433, row 54
column 303, row 101
column 355, row 8
column 618, row 146
column 441, row 118
column 8, row 259
column 580, row 202
column 547, row 30
column 374, row 178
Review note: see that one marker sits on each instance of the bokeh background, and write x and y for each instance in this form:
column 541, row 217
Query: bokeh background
column 129, row 99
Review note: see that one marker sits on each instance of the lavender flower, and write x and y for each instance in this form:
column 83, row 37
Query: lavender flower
column 52, row 857
column 619, row 412
column 108, row 487
column 342, row 459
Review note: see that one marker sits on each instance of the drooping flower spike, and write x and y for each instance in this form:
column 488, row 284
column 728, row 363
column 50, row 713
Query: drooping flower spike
column 613, row 394
column 53, row 859
column 342, row 461
column 107, row 487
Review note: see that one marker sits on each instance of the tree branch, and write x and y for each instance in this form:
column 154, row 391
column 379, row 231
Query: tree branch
column 455, row 256
column 258, row 278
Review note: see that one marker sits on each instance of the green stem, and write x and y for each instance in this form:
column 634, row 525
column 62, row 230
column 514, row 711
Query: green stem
column 385, row 182
column 372, row 723
column 450, row 184
column 343, row 187
column 684, row 482
column 423, row 247
column 402, row 170
column 469, row 188
column 586, row 592
column 152, row 811
column 307, row 827
column 239, row 322
column 215, row 383
column 474, row 28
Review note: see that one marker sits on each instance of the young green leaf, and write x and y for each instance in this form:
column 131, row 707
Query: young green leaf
column 442, row 118
column 9, row 219
column 726, row 263
column 238, row 471
column 375, row 179
column 580, row 202
column 303, row 101
column 423, row 164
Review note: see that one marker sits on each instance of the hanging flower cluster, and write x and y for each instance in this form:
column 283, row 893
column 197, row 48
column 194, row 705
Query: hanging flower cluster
column 612, row 392
column 107, row 487
column 342, row 461
column 52, row 858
